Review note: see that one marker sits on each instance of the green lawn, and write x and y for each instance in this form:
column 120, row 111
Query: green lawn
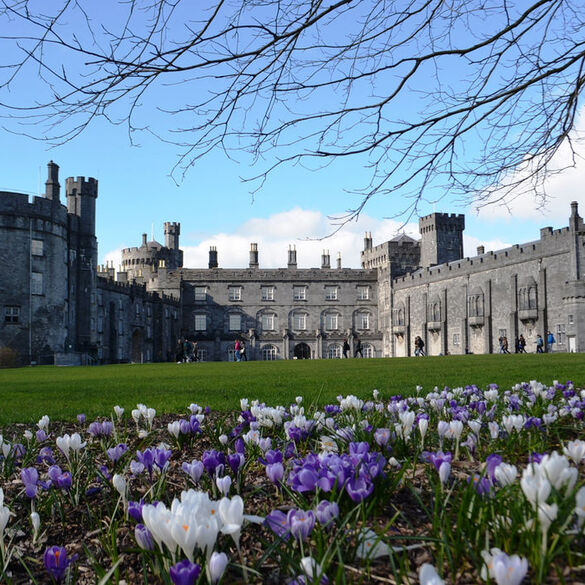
column 63, row 392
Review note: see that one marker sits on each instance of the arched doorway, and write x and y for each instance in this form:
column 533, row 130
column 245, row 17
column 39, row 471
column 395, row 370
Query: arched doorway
column 302, row 351
column 137, row 356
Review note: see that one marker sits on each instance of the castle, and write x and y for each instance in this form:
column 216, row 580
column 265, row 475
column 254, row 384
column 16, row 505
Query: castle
column 58, row 306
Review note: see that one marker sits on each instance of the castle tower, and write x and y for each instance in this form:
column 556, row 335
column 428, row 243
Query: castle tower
column 172, row 233
column 442, row 238
column 81, row 198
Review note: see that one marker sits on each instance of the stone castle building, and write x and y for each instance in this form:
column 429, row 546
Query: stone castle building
column 59, row 306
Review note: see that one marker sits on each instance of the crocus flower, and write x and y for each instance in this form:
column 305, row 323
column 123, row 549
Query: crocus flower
column 143, row 537
column 370, row 546
column 428, row 575
column 275, row 472
column 115, row 453
column 277, row 522
column 216, row 565
column 81, row 418
column 231, row 513
column 359, row 488
column 30, row 479
column 184, row 573
column 509, row 570
column 223, row 484
column 194, row 469
column 301, row 523
column 135, row 510
column 327, row 512
column 56, row 562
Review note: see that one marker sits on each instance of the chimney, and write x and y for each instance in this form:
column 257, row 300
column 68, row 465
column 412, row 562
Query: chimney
column 339, row 260
column 52, row 187
column 480, row 250
column 254, row 255
column 144, row 240
column 212, row 257
column 292, row 256
column 368, row 241
column 325, row 259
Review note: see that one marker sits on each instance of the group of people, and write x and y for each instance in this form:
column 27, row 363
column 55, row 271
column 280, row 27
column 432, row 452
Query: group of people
column 419, row 346
column 240, row 354
column 186, row 351
column 358, row 348
column 520, row 344
column 550, row 341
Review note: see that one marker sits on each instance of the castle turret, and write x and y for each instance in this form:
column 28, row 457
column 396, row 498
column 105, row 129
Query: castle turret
column 172, row 233
column 81, row 198
column 442, row 238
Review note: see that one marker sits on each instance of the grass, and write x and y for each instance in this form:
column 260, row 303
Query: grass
column 28, row 393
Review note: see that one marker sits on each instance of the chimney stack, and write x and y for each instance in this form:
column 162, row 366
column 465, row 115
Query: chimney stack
column 254, row 255
column 213, row 257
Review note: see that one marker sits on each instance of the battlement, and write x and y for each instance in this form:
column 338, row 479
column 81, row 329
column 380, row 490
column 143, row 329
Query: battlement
column 19, row 204
column 81, row 186
column 442, row 221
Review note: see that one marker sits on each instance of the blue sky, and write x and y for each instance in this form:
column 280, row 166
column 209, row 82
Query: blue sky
column 215, row 207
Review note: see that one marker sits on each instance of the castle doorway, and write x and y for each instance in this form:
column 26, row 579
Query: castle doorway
column 137, row 356
column 302, row 351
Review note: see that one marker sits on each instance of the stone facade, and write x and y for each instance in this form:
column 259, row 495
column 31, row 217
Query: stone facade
column 58, row 306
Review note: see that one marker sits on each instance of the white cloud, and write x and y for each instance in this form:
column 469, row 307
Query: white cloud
column 470, row 245
column 561, row 189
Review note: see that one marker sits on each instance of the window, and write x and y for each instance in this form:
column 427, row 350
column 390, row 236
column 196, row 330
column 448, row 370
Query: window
column 561, row 333
column 456, row 338
column 363, row 321
column 36, row 283
column 331, row 321
column 368, row 350
column 36, row 247
column 235, row 293
column 269, row 353
column 231, row 354
column 300, row 293
column 334, row 352
column 148, row 332
column 300, row 321
column 200, row 322
column 267, row 293
column 11, row 314
column 100, row 324
column 363, row 293
column 235, row 322
column 268, row 322
column 202, row 354
column 148, row 311
column 200, row 293
column 331, row 293
column 137, row 310
column 571, row 320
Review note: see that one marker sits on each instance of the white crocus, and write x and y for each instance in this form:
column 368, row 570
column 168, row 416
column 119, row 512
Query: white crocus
column 35, row 520
column 174, row 428
column 231, row 513
column 494, row 429
column 119, row 483
column 370, row 546
column 119, row 412
column 580, row 506
column 223, row 439
column 535, row 485
column 506, row 474
column 216, row 565
column 575, row 450
column 423, row 425
column 43, row 423
column 509, row 570
column 547, row 514
column 427, row 575
column 223, row 484
column 184, row 532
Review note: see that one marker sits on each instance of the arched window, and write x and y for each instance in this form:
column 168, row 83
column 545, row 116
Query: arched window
column 269, row 353
column 434, row 309
column 476, row 303
column 368, row 350
column 363, row 320
column 334, row 351
column 527, row 294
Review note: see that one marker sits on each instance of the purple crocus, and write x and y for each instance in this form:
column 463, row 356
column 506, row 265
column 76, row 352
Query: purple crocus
column 236, row 461
column 81, row 418
column 41, row 435
column 492, row 461
column 30, row 479
column 143, row 537
column 482, row 484
column 115, row 453
column 301, row 523
column 277, row 522
column 185, row 573
column 194, row 469
column 359, row 488
column 275, row 472
column 327, row 512
column 56, row 561
column 60, row 479
column 212, row 459
column 135, row 509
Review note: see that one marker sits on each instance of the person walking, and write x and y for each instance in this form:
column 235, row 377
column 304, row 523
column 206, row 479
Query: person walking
column 539, row 344
column 237, row 349
column 550, row 341
column 505, row 345
column 521, row 344
column 243, row 355
column 358, row 348
column 346, row 349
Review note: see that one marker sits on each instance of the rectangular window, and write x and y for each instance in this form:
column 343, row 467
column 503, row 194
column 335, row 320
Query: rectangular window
column 137, row 310
column 200, row 322
column 11, row 314
column 100, row 324
column 235, row 322
column 300, row 321
column 36, row 283
column 331, row 293
column 331, row 321
column 268, row 322
column 300, row 293
column 149, row 332
column 571, row 320
column 267, row 293
column 235, row 293
column 363, row 293
column 561, row 334
column 149, row 311
column 456, row 338
column 200, row 293
column 36, row 247
column 364, row 321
